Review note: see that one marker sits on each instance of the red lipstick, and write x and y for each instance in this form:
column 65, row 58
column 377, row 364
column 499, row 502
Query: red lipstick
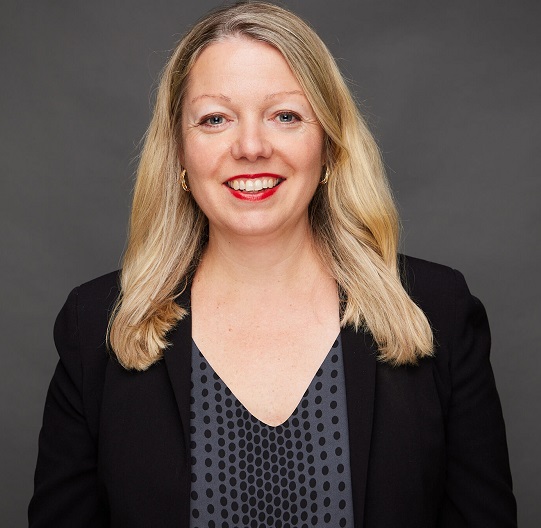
column 254, row 196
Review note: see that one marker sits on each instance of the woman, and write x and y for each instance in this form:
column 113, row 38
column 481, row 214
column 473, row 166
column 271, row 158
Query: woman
column 240, row 383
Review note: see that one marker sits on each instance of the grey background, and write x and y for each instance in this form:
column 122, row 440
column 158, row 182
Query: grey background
column 451, row 89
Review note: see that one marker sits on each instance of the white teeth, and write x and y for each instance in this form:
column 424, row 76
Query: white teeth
column 254, row 185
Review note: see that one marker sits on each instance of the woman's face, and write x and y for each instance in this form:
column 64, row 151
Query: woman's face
column 251, row 143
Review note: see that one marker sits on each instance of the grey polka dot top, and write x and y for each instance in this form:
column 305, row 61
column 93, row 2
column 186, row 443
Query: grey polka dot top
column 246, row 473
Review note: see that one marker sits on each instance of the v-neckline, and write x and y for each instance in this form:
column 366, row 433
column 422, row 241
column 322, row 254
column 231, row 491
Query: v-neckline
column 359, row 353
column 285, row 423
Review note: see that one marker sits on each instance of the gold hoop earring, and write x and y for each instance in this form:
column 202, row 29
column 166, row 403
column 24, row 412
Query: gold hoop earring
column 326, row 177
column 183, row 180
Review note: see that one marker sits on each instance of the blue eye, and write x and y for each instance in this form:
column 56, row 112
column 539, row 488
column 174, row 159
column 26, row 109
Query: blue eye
column 213, row 120
column 287, row 117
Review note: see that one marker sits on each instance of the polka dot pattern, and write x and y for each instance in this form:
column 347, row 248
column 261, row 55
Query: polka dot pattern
column 246, row 473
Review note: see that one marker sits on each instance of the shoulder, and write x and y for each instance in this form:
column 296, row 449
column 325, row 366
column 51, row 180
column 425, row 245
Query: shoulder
column 80, row 335
column 452, row 311
column 424, row 279
column 99, row 293
column 458, row 319
column 81, row 326
column 437, row 289
column 93, row 301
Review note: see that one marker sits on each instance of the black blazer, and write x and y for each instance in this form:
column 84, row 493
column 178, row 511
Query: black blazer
column 427, row 442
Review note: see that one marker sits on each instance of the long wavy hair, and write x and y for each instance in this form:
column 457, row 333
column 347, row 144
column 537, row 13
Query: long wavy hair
column 353, row 218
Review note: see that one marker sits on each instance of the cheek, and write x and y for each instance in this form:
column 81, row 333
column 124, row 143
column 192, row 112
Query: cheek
column 203, row 154
column 198, row 165
column 203, row 199
column 309, row 154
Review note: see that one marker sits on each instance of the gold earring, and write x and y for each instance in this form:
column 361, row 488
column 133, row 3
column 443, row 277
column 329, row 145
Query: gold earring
column 326, row 177
column 183, row 180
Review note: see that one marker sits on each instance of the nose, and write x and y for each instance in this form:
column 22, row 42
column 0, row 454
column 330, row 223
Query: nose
column 251, row 141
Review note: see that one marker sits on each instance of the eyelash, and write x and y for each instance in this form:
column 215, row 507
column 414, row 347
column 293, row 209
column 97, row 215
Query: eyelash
column 292, row 114
column 205, row 121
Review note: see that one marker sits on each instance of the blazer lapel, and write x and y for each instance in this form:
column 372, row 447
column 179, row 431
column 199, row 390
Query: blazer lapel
column 360, row 355
column 178, row 360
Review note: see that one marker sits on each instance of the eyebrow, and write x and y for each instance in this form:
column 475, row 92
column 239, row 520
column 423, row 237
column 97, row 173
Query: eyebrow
column 228, row 99
column 212, row 96
column 293, row 92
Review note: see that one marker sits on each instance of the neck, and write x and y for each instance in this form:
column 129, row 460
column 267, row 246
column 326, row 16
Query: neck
column 283, row 260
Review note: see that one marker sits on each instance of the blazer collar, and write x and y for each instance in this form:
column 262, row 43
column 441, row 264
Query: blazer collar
column 178, row 360
column 360, row 355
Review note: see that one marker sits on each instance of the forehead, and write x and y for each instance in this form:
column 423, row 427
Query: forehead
column 241, row 65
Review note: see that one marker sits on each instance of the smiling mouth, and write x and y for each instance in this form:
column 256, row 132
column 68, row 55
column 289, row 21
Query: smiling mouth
column 254, row 185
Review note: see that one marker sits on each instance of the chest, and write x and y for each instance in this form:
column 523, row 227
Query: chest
column 288, row 472
column 267, row 356
column 396, row 433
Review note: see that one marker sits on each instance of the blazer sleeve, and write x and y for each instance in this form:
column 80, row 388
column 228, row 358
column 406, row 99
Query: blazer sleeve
column 67, row 492
column 478, row 488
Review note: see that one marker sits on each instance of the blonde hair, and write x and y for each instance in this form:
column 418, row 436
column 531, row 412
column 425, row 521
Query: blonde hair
column 353, row 218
